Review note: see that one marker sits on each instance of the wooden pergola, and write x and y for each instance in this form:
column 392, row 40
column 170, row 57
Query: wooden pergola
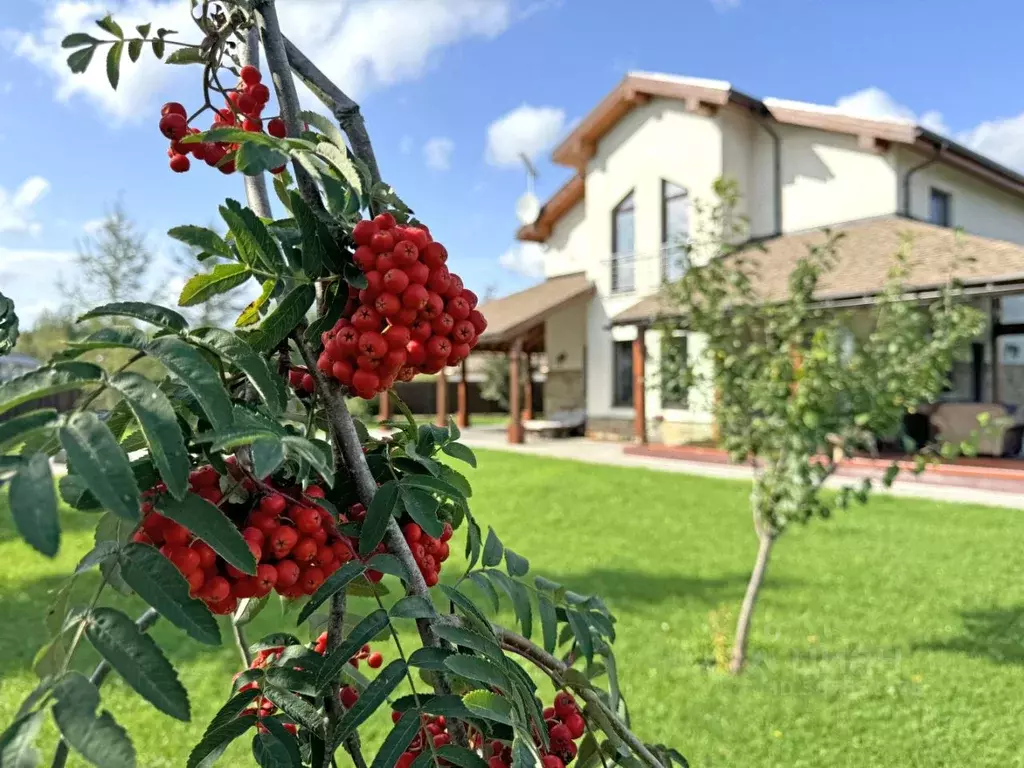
column 515, row 327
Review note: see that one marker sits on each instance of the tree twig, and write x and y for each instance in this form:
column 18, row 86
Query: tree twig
column 243, row 647
column 256, row 193
column 144, row 622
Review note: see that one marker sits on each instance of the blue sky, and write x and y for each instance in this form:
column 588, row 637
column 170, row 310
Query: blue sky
column 451, row 89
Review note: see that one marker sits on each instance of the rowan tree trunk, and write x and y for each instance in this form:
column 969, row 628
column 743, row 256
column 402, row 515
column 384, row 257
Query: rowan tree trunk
column 739, row 649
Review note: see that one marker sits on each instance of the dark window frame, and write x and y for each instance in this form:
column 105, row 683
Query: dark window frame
column 947, row 206
column 682, row 194
column 626, row 204
column 622, row 347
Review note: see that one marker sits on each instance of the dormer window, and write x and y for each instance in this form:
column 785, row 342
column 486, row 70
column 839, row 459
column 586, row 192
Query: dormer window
column 623, row 243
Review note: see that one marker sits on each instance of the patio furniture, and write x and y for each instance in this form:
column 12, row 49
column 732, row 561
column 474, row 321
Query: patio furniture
column 958, row 422
column 559, row 424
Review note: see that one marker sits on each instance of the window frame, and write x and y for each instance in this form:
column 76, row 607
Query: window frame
column 947, row 198
column 627, row 346
column 682, row 194
column 626, row 204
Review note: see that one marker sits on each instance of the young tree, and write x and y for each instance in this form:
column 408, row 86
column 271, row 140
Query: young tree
column 228, row 476
column 794, row 391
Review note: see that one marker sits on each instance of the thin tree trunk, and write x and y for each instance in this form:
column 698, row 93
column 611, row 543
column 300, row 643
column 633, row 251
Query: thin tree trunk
column 739, row 649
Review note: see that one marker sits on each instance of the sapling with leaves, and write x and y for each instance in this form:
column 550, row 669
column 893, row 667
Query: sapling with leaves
column 794, row 391
column 218, row 486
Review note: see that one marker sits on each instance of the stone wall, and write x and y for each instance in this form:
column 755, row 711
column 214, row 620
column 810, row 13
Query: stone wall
column 610, row 428
column 681, row 432
column 563, row 391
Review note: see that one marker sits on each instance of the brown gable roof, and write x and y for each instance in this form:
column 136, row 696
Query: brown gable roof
column 865, row 255
column 707, row 96
column 513, row 316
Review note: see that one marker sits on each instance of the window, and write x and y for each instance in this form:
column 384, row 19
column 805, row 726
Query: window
column 941, row 208
column 674, row 392
column 623, row 232
column 675, row 230
column 622, row 363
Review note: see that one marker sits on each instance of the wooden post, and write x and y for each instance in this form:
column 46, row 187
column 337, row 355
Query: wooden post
column 463, row 396
column 994, row 320
column 515, row 411
column 528, row 388
column 442, row 399
column 384, row 412
column 639, row 387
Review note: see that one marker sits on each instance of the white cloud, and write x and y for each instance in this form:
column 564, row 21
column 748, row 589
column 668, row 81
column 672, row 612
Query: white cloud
column 525, row 130
column 16, row 213
column 525, row 259
column 352, row 41
column 20, row 271
column 437, row 153
column 876, row 104
column 1002, row 140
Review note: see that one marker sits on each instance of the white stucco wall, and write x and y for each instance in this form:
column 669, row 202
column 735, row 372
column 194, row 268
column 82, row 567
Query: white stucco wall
column 564, row 333
column 977, row 207
column 827, row 178
column 657, row 141
column 566, row 249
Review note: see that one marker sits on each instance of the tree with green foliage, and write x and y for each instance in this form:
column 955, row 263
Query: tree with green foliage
column 794, row 390
column 213, row 488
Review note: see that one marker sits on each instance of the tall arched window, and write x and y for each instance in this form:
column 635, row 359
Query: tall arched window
column 675, row 230
column 623, row 236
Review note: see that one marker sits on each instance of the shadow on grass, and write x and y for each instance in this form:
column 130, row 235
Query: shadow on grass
column 996, row 634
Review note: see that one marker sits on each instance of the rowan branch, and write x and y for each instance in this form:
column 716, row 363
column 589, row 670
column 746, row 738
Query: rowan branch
column 144, row 622
column 256, row 193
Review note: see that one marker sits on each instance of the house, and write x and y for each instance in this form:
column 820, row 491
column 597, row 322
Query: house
column 655, row 145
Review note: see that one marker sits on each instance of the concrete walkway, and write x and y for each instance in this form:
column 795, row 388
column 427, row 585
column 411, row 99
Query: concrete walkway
column 601, row 452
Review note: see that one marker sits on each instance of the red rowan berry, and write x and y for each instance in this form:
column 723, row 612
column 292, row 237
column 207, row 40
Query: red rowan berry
column 277, row 128
column 250, row 75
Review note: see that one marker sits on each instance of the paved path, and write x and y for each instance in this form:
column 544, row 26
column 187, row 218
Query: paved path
column 601, row 452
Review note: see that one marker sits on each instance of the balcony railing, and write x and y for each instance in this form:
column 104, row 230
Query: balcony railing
column 668, row 264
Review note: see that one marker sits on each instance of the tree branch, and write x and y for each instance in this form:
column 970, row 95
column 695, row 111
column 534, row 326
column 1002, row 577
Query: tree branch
column 256, row 193
column 518, row 644
column 345, row 110
column 243, row 647
column 144, row 622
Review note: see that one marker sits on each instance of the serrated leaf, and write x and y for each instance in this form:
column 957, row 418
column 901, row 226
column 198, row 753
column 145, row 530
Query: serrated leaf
column 253, row 158
column 382, row 507
column 127, row 337
column 339, row 158
column 473, row 614
column 79, row 61
column 480, row 669
column 138, row 660
column 108, row 24
column 310, row 452
column 251, row 314
column 186, row 56
column 135, row 50
column 159, row 424
column 17, row 743
column 275, row 747
column 361, row 634
column 335, row 306
column 297, row 708
column 143, row 29
column 326, row 126
column 188, row 366
column 290, row 311
column 493, row 549
column 94, row 453
column 235, row 351
column 518, row 595
column 15, row 428
column 158, row 48
column 486, row 587
column 77, row 39
column 517, row 565
column 114, row 531
column 548, row 622
column 422, row 508
column 397, row 741
column 413, row 607
column 429, row 658
column 50, row 380
column 466, row 638
column 203, row 238
column 248, row 609
column 160, row 584
column 335, row 583
column 211, row 525
column 149, row 313
column 489, row 705
column 375, row 694
column 206, row 285
column 99, row 739
column 581, row 631
column 33, row 502
column 114, row 64
column 461, row 452
column 216, row 740
column 267, row 456
column 255, row 245
column 299, row 681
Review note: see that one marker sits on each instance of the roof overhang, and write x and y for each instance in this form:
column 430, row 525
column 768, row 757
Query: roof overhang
column 520, row 317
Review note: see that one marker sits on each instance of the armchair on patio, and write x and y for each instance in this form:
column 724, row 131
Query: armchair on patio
column 956, row 422
column 559, row 424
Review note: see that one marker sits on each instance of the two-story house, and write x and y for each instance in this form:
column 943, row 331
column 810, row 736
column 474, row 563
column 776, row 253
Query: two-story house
column 654, row 146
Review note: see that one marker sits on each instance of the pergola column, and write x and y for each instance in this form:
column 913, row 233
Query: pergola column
column 463, row 396
column 639, row 387
column 384, row 410
column 528, row 388
column 515, row 420
column 442, row 399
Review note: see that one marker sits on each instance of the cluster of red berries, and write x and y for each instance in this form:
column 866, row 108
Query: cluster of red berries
column 433, row 728
column 243, row 109
column 414, row 316
column 295, row 543
column 300, row 380
column 428, row 552
column 565, row 726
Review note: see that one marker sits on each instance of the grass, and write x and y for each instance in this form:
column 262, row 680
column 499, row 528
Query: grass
column 888, row 636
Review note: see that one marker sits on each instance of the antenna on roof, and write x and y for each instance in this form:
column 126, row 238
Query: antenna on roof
column 528, row 206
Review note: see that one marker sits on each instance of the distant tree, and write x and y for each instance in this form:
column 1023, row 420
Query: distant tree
column 794, row 391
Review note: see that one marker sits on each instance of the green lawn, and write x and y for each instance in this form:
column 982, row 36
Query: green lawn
column 889, row 636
